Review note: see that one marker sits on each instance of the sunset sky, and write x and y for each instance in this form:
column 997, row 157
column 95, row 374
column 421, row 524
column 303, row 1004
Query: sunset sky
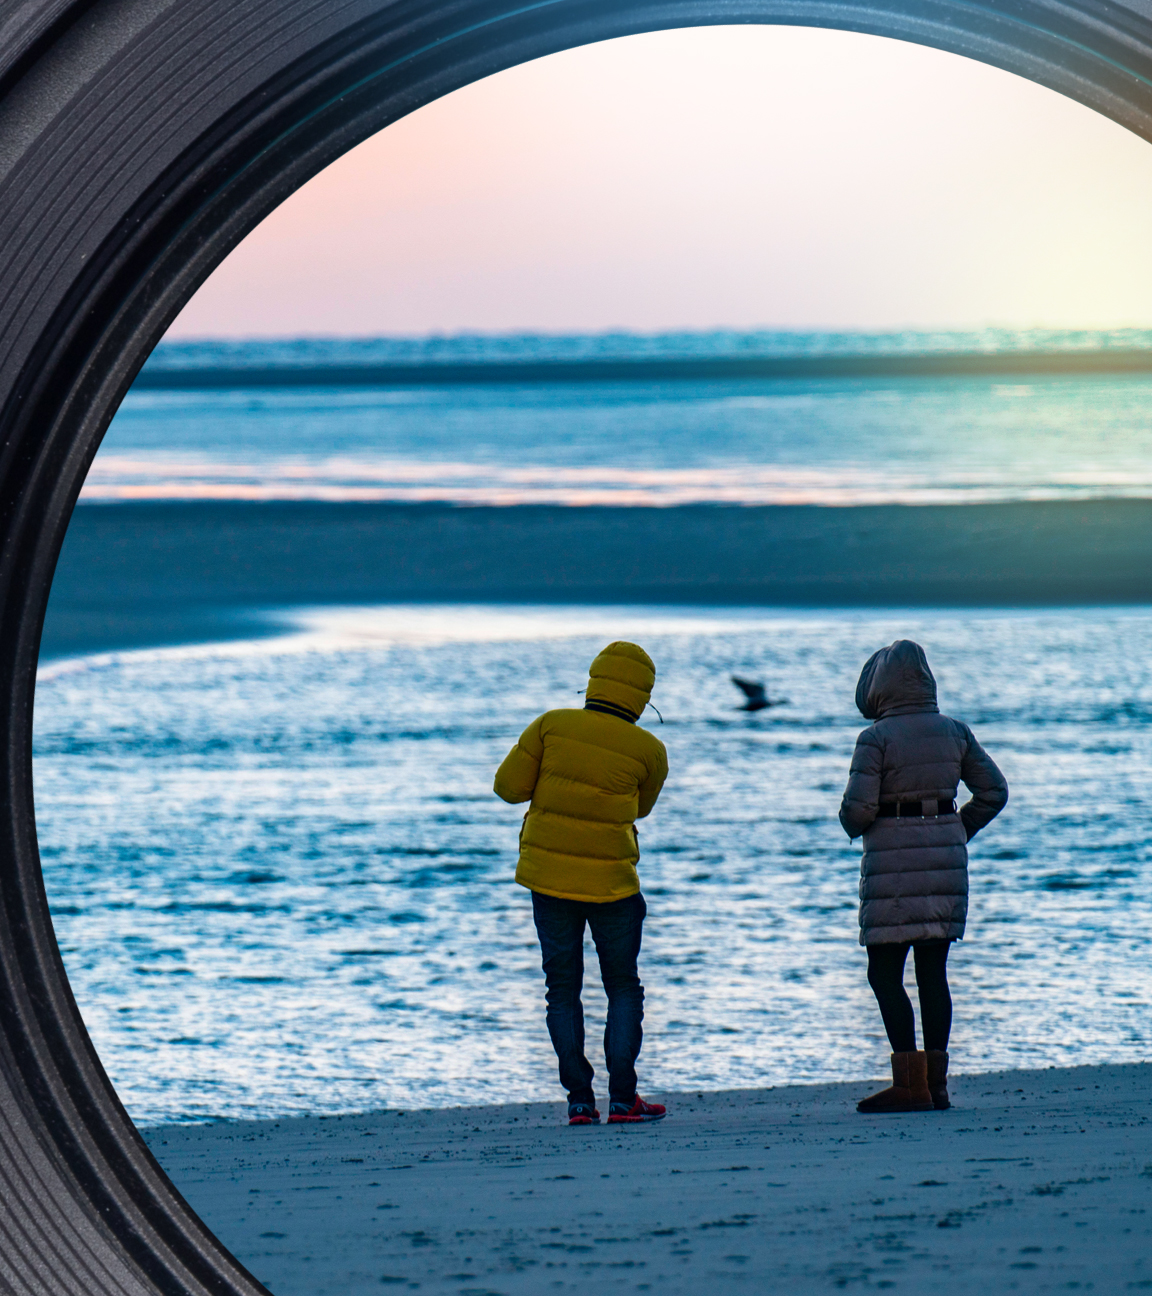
column 739, row 176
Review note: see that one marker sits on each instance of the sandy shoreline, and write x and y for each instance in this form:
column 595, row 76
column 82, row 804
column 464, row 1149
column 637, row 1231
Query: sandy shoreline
column 147, row 573
column 1035, row 1181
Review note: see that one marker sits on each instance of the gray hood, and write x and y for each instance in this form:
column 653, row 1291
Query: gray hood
column 896, row 681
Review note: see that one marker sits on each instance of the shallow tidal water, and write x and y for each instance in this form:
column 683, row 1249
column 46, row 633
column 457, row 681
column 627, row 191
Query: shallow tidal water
column 872, row 439
column 282, row 884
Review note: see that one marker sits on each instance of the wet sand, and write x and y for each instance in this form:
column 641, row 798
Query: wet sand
column 1033, row 1182
column 142, row 574
column 1023, row 362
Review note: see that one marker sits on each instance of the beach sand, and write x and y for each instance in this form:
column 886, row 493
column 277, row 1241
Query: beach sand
column 1034, row 1181
column 138, row 574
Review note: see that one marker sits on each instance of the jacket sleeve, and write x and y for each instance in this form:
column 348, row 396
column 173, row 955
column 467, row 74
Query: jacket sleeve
column 650, row 788
column 518, row 772
column 988, row 786
column 862, row 795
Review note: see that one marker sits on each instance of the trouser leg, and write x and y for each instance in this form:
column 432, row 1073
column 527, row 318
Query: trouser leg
column 886, row 977
column 616, row 929
column 560, row 927
column 931, row 959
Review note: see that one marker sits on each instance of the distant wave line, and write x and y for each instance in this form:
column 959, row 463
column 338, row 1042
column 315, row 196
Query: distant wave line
column 502, row 496
column 1017, row 363
column 115, row 471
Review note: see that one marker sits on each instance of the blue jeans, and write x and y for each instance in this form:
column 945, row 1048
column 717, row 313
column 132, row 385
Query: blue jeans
column 616, row 928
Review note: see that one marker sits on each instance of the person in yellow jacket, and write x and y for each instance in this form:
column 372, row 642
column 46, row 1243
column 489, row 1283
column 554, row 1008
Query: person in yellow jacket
column 589, row 775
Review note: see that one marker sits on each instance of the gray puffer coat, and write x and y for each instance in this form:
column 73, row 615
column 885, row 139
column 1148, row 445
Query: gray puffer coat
column 914, row 874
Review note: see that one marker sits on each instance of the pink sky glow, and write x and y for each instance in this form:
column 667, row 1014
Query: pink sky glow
column 736, row 177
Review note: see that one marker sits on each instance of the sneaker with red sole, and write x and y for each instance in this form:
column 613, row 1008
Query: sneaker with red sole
column 582, row 1114
column 621, row 1114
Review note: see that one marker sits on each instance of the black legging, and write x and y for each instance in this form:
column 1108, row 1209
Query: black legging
column 886, row 977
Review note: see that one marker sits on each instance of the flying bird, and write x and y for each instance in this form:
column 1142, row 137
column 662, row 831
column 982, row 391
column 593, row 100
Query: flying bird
column 755, row 695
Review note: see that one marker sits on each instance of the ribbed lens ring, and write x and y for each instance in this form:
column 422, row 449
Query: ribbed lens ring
column 140, row 140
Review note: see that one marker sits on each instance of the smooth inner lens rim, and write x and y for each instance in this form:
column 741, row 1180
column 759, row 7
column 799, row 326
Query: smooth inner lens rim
column 142, row 139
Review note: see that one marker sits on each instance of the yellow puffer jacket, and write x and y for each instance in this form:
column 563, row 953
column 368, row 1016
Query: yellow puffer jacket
column 590, row 775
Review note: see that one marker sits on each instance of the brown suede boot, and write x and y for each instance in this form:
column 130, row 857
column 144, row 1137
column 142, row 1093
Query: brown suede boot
column 909, row 1091
column 938, row 1079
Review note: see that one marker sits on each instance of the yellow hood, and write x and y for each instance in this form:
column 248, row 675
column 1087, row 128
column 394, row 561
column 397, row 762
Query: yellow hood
column 624, row 675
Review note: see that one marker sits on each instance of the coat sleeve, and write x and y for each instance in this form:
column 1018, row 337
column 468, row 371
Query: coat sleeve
column 988, row 786
column 650, row 788
column 518, row 772
column 862, row 795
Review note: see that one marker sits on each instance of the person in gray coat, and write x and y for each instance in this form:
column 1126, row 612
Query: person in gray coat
column 901, row 797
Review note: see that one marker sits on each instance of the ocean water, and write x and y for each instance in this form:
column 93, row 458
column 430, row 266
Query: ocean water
column 282, row 883
column 824, row 441
column 454, row 348
column 280, row 878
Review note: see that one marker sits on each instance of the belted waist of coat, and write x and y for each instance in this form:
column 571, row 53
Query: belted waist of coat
column 915, row 809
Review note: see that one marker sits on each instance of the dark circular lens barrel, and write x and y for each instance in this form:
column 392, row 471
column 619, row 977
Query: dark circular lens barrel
column 140, row 140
